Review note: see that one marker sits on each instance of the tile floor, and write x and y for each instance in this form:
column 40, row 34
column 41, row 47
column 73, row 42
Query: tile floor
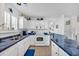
column 42, row 50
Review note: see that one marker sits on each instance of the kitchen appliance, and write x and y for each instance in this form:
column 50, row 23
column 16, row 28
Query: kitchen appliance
column 42, row 40
column 39, row 38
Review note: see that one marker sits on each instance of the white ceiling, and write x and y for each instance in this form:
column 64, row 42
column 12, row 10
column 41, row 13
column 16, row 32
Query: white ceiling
column 49, row 9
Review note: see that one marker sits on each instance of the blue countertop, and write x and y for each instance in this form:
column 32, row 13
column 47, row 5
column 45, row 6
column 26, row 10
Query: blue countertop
column 68, row 45
column 8, row 42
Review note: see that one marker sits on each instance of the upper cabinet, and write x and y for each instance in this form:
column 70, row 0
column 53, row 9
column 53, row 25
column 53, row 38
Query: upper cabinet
column 71, row 27
column 22, row 22
column 58, row 25
column 36, row 24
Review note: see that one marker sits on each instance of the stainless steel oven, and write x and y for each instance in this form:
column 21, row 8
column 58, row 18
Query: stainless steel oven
column 39, row 38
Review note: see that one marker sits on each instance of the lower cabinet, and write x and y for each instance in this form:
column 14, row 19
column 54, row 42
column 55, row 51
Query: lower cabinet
column 54, row 49
column 18, row 49
column 12, row 51
column 27, row 44
column 57, row 51
column 21, row 47
column 31, row 39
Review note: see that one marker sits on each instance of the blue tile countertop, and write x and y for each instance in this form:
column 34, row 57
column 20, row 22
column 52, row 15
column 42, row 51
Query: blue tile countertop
column 68, row 45
column 8, row 42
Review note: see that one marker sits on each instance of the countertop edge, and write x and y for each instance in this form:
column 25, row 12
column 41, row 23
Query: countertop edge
column 11, row 45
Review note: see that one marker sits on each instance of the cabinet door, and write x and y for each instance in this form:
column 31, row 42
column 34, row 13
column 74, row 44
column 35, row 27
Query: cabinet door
column 62, row 53
column 21, row 48
column 54, row 49
column 12, row 51
column 27, row 44
column 32, row 39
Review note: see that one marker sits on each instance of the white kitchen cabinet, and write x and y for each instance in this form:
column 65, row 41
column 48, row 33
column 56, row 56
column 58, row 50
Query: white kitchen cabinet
column 62, row 52
column 27, row 44
column 22, row 22
column 31, row 39
column 23, row 46
column 18, row 49
column 12, row 51
column 57, row 51
column 54, row 49
column 71, row 27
